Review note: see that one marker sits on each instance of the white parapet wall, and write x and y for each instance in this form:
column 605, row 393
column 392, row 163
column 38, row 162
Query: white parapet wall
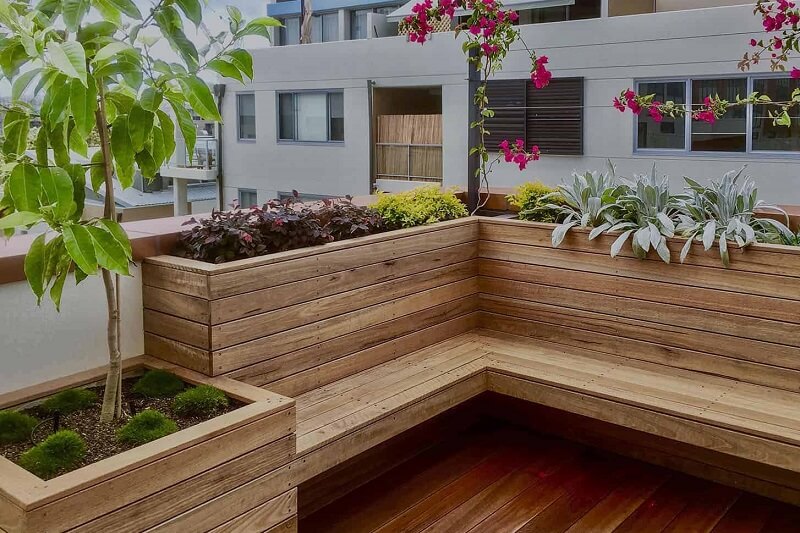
column 40, row 344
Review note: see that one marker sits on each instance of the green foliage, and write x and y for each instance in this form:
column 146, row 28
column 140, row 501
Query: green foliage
column 69, row 401
column 203, row 400
column 418, row 207
column 145, row 427
column 57, row 453
column 158, row 384
column 15, row 426
column 533, row 199
column 90, row 64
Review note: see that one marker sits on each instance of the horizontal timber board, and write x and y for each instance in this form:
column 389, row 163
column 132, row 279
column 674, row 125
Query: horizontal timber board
column 186, row 495
column 736, row 326
column 777, row 454
column 163, row 277
column 773, row 308
column 263, row 518
column 287, row 526
column 714, row 365
column 297, row 361
column 763, row 258
column 251, row 352
column 658, row 334
column 281, row 296
column 106, row 496
column 178, row 353
column 175, row 303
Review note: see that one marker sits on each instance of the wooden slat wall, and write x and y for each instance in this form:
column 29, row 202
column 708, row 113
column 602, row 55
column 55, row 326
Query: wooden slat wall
column 742, row 322
column 343, row 307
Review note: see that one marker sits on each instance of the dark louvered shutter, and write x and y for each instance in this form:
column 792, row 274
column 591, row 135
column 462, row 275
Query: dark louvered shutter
column 507, row 100
column 555, row 117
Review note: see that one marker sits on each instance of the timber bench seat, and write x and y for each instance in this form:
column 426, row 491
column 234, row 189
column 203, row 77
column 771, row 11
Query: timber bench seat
column 756, row 424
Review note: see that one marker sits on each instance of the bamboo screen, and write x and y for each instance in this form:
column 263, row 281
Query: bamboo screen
column 409, row 147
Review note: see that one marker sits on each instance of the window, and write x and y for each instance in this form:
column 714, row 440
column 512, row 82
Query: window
column 743, row 129
column 524, row 112
column 311, row 116
column 670, row 133
column 289, row 33
column 358, row 24
column 246, row 105
column 325, row 28
column 248, row 198
column 581, row 9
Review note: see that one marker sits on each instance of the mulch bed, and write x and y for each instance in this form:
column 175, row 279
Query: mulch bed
column 101, row 439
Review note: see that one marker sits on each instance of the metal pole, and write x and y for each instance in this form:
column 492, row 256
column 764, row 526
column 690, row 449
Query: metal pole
column 473, row 165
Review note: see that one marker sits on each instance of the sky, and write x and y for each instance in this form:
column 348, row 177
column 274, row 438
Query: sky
column 215, row 18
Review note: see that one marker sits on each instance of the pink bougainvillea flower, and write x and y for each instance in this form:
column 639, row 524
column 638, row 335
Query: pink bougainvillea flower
column 619, row 104
column 795, row 73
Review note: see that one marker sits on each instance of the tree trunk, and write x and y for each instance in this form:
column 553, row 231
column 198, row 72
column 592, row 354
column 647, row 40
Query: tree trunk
column 112, row 398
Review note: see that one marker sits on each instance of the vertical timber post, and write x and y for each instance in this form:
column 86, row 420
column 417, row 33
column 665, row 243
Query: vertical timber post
column 474, row 162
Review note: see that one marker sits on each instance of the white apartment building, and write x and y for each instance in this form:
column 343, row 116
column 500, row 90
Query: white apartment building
column 361, row 109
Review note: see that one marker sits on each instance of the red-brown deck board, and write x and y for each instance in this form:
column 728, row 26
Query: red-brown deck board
column 508, row 480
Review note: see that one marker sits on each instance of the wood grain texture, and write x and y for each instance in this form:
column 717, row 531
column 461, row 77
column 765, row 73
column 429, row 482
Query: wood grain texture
column 264, row 517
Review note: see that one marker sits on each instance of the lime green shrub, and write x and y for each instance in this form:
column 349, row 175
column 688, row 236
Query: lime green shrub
column 59, row 452
column 533, row 200
column 417, row 207
column 15, row 426
column 203, row 400
column 158, row 384
column 145, row 427
column 69, row 401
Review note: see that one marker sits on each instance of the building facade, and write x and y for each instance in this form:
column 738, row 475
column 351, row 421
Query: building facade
column 358, row 110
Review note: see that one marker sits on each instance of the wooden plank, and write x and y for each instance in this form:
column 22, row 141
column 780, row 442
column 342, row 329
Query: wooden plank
column 186, row 495
column 177, row 329
column 661, row 508
column 702, row 514
column 764, row 284
column 280, row 296
column 105, row 496
column 12, row 517
column 247, row 329
column 703, row 320
column 287, row 526
column 322, row 375
column 178, row 353
column 171, row 279
column 715, row 365
column 264, row 517
column 748, row 515
column 175, row 303
column 271, row 370
column 264, row 348
column 774, row 308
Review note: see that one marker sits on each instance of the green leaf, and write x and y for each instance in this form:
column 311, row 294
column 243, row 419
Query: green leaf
column 73, row 12
column 122, row 151
column 59, row 104
column 110, row 255
column 80, row 247
column 94, row 30
column 34, row 266
column 77, row 173
column 140, row 125
column 158, row 147
column 22, row 82
column 59, row 144
column 77, row 143
column 171, row 25
column 116, row 231
column 168, row 134
column 57, row 289
column 16, row 126
column 243, row 61
column 110, row 50
column 57, row 191
column 192, row 9
column 151, row 99
column 98, row 171
column 83, row 102
column 69, row 58
column 110, row 13
column 225, row 69
column 128, row 7
column 147, row 164
column 41, row 147
column 186, row 125
column 25, row 186
column 19, row 219
column 200, row 98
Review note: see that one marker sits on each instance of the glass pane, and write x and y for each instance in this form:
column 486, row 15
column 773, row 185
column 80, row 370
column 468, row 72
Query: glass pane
column 312, row 116
column 670, row 133
column 358, row 24
column 336, row 103
column 330, row 27
column 767, row 136
column 248, row 198
column 247, row 116
column 286, row 116
column 729, row 133
column 316, row 29
column 290, row 33
column 584, row 9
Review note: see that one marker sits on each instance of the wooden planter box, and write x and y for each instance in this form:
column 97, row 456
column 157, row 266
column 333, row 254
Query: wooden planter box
column 276, row 320
column 186, row 481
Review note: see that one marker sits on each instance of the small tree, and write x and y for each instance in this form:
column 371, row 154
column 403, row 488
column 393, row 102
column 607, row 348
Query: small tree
column 92, row 64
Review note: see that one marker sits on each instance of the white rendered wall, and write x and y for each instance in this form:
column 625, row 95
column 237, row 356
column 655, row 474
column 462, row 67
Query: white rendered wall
column 609, row 53
column 39, row 344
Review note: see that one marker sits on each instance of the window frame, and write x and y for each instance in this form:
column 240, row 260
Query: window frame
column 327, row 93
column 247, row 190
column 687, row 149
column 239, row 137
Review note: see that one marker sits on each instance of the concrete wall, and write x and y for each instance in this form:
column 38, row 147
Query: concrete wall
column 609, row 53
column 39, row 344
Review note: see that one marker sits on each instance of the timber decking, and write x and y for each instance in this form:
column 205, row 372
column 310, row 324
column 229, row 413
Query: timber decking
column 508, row 480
